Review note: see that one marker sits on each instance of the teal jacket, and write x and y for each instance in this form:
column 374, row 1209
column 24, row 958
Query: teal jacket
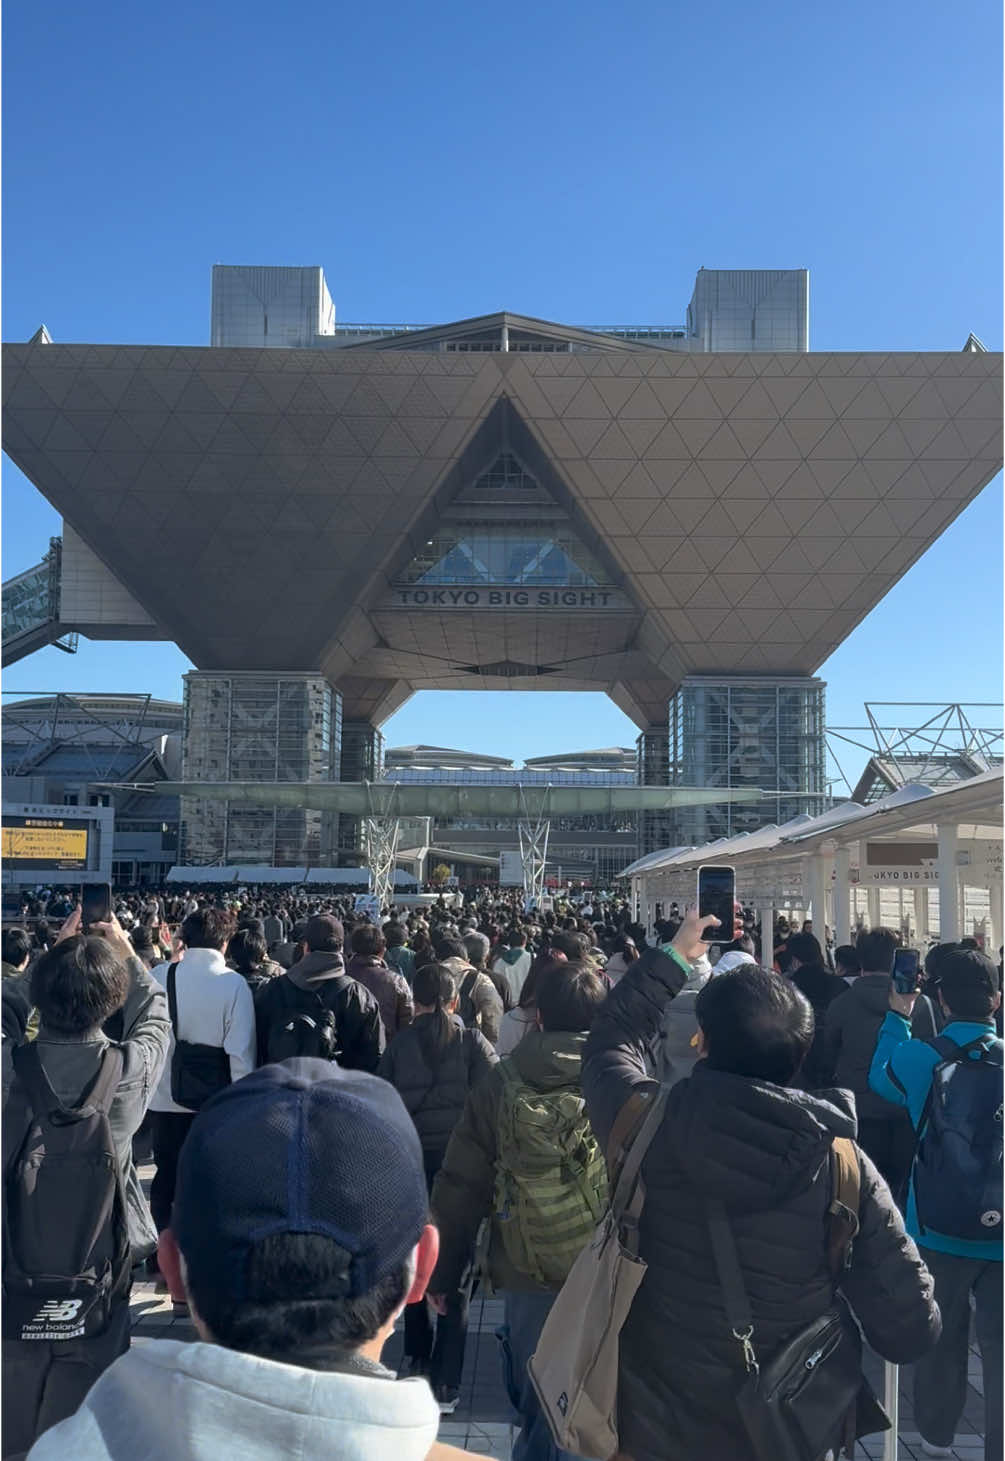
column 901, row 1072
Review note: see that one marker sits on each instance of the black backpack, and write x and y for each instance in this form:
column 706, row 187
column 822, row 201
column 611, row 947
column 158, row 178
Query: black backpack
column 65, row 1231
column 303, row 1025
column 957, row 1169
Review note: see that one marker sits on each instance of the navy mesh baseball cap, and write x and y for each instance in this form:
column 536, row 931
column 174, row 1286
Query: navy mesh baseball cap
column 301, row 1147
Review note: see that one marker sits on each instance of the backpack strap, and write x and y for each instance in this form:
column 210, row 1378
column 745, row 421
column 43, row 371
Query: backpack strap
column 172, row 995
column 629, row 1194
column 627, row 1122
column 846, row 1192
column 950, row 1051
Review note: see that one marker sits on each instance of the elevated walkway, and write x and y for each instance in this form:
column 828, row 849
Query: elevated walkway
column 367, row 799
column 31, row 609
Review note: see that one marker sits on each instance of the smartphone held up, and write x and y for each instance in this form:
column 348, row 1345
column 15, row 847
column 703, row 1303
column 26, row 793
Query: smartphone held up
column 717, row 898
column 906, row 964
column 95, row 905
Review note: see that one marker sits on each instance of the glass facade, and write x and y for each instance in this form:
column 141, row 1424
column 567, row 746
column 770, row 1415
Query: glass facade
column 361, row 759
column 746, row 733
column 484, row 539
column 252, row 727
column 750, row 309
column 270, row 308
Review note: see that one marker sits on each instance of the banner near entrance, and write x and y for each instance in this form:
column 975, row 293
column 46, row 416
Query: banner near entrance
column 44, row 844
column 915, row 864
column 912, row 863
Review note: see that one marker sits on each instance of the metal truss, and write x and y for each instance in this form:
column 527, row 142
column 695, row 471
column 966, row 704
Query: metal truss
column 381, row 830
column 70, row 722
column 533, row 829
column 924, row 740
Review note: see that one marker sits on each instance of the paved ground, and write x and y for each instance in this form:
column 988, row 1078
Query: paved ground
column 482, row 1421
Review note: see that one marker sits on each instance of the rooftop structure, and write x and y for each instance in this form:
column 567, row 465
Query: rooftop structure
column 281, row 308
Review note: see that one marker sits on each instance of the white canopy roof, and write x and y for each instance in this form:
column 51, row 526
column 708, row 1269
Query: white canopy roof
column 978, row 800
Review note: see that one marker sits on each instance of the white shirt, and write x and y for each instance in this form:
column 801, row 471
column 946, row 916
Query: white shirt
column 215, row 1007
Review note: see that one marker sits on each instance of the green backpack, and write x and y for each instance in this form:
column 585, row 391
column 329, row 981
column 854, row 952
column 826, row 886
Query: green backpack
column 551, row 1178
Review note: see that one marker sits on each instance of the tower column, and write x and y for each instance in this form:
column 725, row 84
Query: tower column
column 244, row 725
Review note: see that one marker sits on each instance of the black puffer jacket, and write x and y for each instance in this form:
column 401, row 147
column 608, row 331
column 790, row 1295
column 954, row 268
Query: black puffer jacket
column 357, row 1016
column 762, row 1149
column 435, row 1095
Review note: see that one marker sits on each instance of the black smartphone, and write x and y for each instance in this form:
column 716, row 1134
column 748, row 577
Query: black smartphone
column 717, row 896
column 95, row 904
column 906, row 963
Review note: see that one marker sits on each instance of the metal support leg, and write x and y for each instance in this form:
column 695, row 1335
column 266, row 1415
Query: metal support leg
column 891, row 1404
column 533, row 830
column 381, row 830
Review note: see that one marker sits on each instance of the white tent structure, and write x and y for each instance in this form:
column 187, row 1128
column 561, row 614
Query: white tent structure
column 930, row 844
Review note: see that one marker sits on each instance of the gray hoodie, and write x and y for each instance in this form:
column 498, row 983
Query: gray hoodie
column 164, row 1400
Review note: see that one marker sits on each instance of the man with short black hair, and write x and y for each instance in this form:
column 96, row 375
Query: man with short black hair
column 319, row 982
column 851, row 1025
column 847, row 963
column 388, row 987
column 523, row 1155
column 16, row 952
column 735, row 1134
column 903, row 1072
column 299, row 1232
column 214, row 1007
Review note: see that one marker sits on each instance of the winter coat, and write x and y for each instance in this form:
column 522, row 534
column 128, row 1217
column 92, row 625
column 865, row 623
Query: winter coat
column 72, row 1062
column 360, row 1033
column 483, row 995
column 851, row 1028
column 762, row 1150
column 402, row 959
column 902, row 1071
column 464, row 1190
column 434, row 1095
column 821, row 988
column 388, row 987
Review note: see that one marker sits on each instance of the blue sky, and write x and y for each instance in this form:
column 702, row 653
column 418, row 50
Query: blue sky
column 576, row 161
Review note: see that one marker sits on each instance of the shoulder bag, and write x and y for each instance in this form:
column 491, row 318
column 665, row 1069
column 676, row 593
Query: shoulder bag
column 197, row 1071
column 575, row 1367
column 805, row 1398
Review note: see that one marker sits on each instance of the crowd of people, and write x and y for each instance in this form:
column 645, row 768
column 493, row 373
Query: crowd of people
column 354, row 1120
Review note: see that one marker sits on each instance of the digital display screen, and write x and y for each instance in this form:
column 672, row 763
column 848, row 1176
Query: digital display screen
column 44, row 844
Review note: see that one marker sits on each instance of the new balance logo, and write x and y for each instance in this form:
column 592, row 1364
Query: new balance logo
column 59, row 1311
